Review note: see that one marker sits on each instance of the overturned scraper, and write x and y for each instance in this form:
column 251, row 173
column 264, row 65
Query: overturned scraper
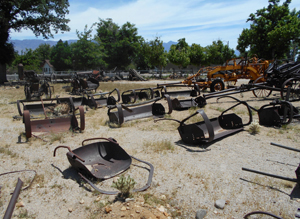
column 102, row 159
column 211, row 129
column 122, row 113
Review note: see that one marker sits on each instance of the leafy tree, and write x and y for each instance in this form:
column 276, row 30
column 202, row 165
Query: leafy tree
column 179, row 54
column 29, row 59
column 141, row 59
column 271, row 32
column 61, row 56
column 118, row 45
column 217, row 53
column 85, row 52
column 43, row 52
column 197, row 55
column 42, row 17
column 157, row 53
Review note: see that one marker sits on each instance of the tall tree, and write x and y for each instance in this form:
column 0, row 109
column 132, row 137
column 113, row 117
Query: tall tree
column 179, row 53
column 271, row 31
column 157, row 53
column 29, row 58
column 197, row 55
column 218, row 53
column 43, row 52
column 61, row 56
column 42, row 17
column 118, row 44
column 85, row 52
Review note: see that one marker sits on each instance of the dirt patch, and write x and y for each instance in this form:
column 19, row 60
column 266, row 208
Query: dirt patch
column 186, row 177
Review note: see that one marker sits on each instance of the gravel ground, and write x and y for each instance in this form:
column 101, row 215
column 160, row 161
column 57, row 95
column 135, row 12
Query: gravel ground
column 186, row 177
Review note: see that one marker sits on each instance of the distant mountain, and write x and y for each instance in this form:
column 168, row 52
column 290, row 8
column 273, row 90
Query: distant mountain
column 33, row 44
column 168, row 45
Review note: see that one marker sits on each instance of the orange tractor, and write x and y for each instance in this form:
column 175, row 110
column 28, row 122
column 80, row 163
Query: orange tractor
column 234, row 69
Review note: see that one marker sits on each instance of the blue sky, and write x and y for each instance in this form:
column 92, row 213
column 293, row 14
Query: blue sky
column 198, row 21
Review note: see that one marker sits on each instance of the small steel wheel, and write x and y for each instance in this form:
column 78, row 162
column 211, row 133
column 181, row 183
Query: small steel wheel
column 217, row 85
column 294, row 83
column 260, row 92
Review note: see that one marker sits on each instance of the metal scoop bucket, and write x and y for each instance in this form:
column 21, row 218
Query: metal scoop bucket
column 102, row 160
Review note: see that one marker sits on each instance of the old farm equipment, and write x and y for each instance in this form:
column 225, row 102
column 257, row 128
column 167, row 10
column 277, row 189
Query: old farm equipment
column 297, row 171
column 135, row 76
column 99, row 100
column 55, row 122
column 121, row 113
column 276, row 113
column 234, row 69
column 284, row 76
column 55, row 106
column 82, row 85
column 210, row 130
column 132, row 95
column 102, row 159
column 34, row 88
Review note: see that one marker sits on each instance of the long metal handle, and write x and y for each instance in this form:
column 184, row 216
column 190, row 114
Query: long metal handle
column 271, row 175
column 13, row 200
column 285, row 147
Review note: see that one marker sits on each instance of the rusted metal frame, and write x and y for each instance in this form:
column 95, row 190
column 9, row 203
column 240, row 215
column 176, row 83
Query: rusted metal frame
column 120, row 108
column 273, row 105
column 131, row 98
column 96, row 102
column 207, row 122
column 111, row 140
column 74, row 155
column 65, row 120
column 11, row 206
column 155, row 92
column 283, row 117
column 195, row 91
column 210, row 126
column 239, row 103
column 183, row 104
column 58, row 101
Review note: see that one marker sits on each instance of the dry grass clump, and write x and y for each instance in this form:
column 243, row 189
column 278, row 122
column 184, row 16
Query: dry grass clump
column 57, row 137
column 254, row 128
column 6, row 151
column 159, row 146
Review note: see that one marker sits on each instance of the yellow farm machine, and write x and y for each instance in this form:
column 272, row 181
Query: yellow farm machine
column 234, row 69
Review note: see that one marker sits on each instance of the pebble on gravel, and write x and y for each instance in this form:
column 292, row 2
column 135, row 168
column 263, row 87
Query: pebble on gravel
column 70, row 210
column 200, row 214
column 161, row 209
column 129, row 199
column 220, row 203
column 20, row 204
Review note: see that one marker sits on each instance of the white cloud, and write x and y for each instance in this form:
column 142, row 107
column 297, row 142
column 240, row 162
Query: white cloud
column 198, row 21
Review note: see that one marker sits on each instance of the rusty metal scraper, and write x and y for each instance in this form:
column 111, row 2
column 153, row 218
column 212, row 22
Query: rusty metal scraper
column 137, row 111
column 102, row 160
column 211, row 129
